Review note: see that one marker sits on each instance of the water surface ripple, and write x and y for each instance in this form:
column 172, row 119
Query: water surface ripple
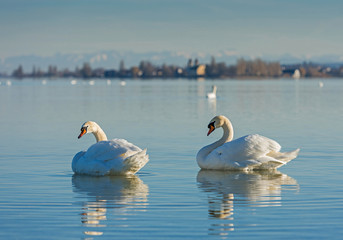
column 170, row 198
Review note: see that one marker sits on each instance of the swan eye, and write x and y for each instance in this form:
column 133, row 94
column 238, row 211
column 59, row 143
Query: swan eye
column 84, row 128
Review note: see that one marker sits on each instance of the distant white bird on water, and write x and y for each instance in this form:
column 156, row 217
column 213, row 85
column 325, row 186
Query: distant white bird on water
column 213, row 94
column 246, row 153
column 321, row 84
column 122, row 83
column 108, row 157
column 91, row 82
column 73, row 82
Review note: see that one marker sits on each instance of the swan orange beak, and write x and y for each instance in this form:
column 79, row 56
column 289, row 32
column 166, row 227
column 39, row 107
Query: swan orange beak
column 211, row 129
column 83, row 132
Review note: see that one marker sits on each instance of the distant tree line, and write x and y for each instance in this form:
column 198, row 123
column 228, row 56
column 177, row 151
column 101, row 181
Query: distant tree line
column 242, row 69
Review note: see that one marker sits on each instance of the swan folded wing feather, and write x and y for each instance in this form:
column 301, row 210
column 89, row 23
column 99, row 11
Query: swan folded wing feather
column 224, row 157
column 76, row 160
column 135, row 162
column 82, row 165
column 109, row 150
column 101, row 151
column 256, row 146
column 250, row 150
column 264, row 162
column 78, row 155
column 125, row 144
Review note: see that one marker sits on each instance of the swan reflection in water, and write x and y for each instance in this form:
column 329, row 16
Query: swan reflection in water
column 112, row 198
column 254, row 189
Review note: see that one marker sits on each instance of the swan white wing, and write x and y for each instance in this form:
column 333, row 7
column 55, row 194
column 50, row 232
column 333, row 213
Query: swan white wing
column 84, row 165
column 242, row 152
column 109, row 150
column 135, row 162
column 255, row 146
column 122, row 143
column 103, row 151
column 105, row 157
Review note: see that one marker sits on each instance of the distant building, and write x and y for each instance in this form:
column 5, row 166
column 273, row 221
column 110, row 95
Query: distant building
column 196, row 70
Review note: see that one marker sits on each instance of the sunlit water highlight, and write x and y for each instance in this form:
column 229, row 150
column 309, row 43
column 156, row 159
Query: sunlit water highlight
column 170, row 198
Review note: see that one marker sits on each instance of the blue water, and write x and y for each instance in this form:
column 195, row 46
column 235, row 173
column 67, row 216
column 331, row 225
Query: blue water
column 170, row 198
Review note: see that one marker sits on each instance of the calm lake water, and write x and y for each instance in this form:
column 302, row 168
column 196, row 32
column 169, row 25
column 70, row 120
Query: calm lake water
column 170, row 198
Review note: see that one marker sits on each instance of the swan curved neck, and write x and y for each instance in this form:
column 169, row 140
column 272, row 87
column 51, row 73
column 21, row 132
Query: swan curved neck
column 99, row 135
column 227, row 137
column 228, row 132
column 214, row 89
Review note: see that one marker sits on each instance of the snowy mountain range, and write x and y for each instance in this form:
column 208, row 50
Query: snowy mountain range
column 111, row 59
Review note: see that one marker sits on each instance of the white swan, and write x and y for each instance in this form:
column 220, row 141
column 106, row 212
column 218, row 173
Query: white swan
column 245, row 153
column 213, row 94
column 108, row 157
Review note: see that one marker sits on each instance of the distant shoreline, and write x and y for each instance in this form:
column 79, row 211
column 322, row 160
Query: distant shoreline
column 243, row 69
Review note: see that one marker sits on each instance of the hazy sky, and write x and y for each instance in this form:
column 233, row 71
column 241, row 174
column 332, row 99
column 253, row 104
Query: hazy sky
column 253, row 27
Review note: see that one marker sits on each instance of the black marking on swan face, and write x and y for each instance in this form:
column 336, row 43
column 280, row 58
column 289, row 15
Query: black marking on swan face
column 211, row 125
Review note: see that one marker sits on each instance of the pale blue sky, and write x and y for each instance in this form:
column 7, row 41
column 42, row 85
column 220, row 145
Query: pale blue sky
column 47, row 27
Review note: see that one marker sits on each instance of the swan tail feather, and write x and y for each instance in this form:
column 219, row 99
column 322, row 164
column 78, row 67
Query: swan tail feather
column 273, row 160
column 284, row 157
column 134, row 163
